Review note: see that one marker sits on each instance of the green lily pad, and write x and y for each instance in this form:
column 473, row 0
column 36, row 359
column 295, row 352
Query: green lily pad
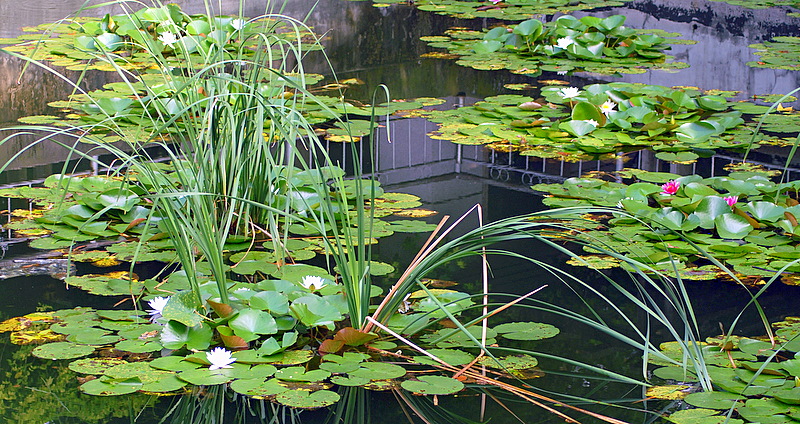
column 300, row 374
column 173, row 363
column 350, row 381
column 250, row 323
column 433, row 385
column 94, row 365
column 62, row 350
column 206, row 377
column 450, row 356
column 526, row 330
column 105, row 386
column 307, row 400
column 258, row 386
column 176, row 335
column 378, row 371
column 714, row 400
column 139, row 370
column 138, row 346
column 165, row 384
column 700, row 416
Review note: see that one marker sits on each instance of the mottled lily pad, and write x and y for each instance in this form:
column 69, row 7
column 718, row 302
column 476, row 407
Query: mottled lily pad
column 258, row 386
column 62, row 350
column 307, row 400
column 94, row 365
column 105, row 386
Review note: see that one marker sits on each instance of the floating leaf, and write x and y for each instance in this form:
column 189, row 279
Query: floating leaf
column 433, row 385
column 62, row 350
column 300, row 374
column 670, row 392
column 258, row 386
column 94, row 365
column 713, row 400
column 526, row 330
column 105, row 386
column 307, row 400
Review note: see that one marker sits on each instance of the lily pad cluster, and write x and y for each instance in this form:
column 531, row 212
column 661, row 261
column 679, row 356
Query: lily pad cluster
column 745, row 220
column 568, row 44
column 131, row 106
column 511, row 10
column 680, row 124
column 752, row 376
column 129, row 41
column 272, row 355
column 782, row 52
column 112, row 221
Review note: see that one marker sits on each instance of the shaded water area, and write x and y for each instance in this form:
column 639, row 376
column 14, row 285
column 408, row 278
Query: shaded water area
column 382, row 46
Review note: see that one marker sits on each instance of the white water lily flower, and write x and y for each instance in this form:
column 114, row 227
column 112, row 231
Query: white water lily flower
column 237, row 24
column 313, row 282
column 563, row 43
column 220, row 358
column 620, row 205
column 405, row 307
column 569, row 92
column 592, row 122
column 157, row 305
column 608, row 107
column 168, row 38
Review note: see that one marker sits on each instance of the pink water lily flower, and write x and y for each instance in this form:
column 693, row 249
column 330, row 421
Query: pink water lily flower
column 731, row 200
column 671, row 187
column 495, row 1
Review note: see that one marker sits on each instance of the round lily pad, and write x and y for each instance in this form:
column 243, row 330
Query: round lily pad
column 138, row 346
column 62, row 350
column 107, row 387
column 674, row 373
column 380, row 385
column 350, row 381
column 379, row 371
column 433, row 385
column 205, row 377
column 713, row 400
column 700, row 416
column 511, row 362
column 292, row 357
column 451, row 356
column 307, row 400
column 300, row 374
column 121, row 315
column 258, row 386
column 141, row 370
column 173, row 363
column 165, row 384
column 94, row 365
column 526, row 330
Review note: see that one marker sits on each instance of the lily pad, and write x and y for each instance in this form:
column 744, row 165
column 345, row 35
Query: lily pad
column 62, row 350
column 258, row 386
column 307, row 400
column 433, row 385
column 526, row 330
column 105, row 386
column 94, row 365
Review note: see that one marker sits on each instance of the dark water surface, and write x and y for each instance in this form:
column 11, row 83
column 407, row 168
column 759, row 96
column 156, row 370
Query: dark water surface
column 381, row 46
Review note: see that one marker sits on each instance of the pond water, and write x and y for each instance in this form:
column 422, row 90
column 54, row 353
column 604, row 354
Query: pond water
column 381, row 46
